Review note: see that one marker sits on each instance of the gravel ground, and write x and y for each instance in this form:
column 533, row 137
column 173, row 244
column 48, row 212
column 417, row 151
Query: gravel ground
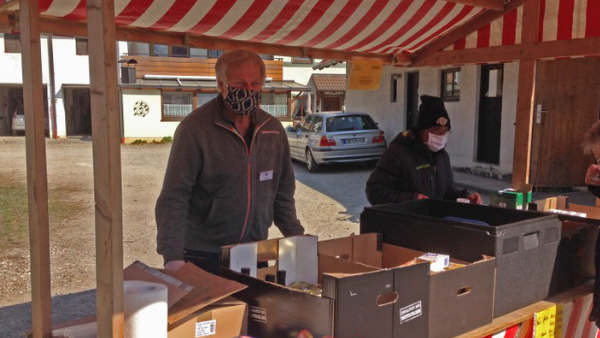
column 328, row 204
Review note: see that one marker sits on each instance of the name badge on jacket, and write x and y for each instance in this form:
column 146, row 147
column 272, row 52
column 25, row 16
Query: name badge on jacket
column 266, row 175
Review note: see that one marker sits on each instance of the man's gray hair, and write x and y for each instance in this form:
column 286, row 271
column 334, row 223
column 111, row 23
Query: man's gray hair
column 591, row 137
column 237, row 57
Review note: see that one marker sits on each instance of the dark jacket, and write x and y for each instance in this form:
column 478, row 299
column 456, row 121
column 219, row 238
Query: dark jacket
column 406, row 168
column 217, row 191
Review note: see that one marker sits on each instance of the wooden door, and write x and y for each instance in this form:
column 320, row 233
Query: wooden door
column 568, row 101
column 412, row 99
column 331, row 103
column 490, row 114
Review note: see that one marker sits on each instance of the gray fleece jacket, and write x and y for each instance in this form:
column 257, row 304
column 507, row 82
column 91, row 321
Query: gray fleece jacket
column 218, row 191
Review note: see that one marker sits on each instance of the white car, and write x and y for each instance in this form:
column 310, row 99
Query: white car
column 334, row 137
column 18, row 122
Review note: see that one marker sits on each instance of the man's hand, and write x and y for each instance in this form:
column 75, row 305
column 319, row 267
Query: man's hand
column 174, row 265
column 592, row 177
column 475, row 198
column 421, row 196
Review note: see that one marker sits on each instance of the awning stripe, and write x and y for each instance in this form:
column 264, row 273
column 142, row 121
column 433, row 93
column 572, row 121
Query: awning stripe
column 336, row 24
column 565, row 20
column 397, row 30
column 414, row 24
column 361, row 24
column 314, row 14
column 235, row 14
column 132, row 11
column 248, row 19
column 153, row 13
column 370, row 26
column 592, row 27
column 193, row 16
column 173, row 15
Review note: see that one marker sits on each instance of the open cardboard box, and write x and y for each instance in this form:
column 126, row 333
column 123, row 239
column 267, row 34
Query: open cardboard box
column 459, row 300
column 562, row 203
column 199, row 302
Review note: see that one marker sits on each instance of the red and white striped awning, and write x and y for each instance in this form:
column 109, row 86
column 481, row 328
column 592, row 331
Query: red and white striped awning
column 559, row 20
column 354, row 26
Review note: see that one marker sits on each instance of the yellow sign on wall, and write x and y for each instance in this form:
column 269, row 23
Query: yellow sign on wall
column 548, row 323
column 365, row 74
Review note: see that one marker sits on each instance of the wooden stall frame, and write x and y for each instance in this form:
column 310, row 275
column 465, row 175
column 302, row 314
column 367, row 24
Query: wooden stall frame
column 106, row 123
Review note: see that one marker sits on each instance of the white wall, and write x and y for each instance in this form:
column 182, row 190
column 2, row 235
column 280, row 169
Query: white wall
column 301, row 73
column 150, row 125
column 462, row 143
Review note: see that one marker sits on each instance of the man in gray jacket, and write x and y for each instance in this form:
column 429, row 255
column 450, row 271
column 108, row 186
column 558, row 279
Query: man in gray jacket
column 229, row 175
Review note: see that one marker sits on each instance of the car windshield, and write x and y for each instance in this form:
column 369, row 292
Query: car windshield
column 350, row 122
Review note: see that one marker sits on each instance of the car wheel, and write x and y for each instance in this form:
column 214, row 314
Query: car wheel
column 311, row 165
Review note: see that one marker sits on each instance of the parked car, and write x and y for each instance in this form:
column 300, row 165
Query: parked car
column 334, row 137
column 18, row 122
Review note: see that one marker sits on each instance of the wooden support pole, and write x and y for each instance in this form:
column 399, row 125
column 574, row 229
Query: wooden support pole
column 37, row 179
column 106, row 135
column 525, row 97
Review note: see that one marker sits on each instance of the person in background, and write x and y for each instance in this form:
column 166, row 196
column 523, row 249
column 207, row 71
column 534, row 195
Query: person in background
column 229, row 174
column 416, row 164
column 591, row 144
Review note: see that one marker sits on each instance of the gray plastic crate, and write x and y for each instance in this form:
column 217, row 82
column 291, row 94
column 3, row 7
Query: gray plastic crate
column 524, row 243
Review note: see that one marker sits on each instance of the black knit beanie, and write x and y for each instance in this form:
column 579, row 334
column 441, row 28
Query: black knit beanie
column 432, row 113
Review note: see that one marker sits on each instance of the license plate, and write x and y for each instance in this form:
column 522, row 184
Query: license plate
column 353, row 140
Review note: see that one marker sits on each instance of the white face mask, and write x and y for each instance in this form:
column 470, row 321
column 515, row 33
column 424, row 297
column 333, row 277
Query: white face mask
column 436, row 142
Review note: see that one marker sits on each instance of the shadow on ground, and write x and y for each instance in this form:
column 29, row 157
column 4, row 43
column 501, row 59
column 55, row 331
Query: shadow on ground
column 343, row 182
column 16, row 319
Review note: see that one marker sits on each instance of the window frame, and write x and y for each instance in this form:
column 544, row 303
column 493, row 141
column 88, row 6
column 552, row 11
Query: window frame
column 81, row 46
column 454, row 94
column 14, row 43
column 169, row 118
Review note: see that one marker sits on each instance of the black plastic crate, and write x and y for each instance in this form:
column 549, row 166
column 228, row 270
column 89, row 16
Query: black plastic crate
column 524, row 243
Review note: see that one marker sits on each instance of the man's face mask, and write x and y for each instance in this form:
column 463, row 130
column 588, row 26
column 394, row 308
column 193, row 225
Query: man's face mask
column 242, row 101
column 436, row 142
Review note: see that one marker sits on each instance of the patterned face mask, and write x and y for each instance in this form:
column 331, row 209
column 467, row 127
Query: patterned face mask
column 242, row 101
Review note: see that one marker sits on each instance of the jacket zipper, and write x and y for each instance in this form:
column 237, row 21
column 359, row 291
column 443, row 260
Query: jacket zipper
column 249, row 169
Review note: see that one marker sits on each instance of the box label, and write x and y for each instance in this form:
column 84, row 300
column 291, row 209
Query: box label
column 258, row 314
column 410, row 312
column 207, row 328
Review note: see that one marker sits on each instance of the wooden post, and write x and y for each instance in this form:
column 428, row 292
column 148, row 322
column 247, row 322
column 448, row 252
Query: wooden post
column 525, row 97
column 37, row 179
column 106, row 134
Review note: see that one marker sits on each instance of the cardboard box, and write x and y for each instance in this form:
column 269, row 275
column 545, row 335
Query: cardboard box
column 196, row 299
column 223, row 319
column 358, row 300
column 460, row 300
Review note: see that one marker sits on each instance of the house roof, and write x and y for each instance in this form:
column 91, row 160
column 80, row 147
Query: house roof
column 183, row 83
column 329, row 82
column 391, row 30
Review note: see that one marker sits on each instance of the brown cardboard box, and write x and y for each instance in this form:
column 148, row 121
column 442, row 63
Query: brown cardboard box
column 194, row 297
column 459, row 300
column 366, row 293
column 224, row 319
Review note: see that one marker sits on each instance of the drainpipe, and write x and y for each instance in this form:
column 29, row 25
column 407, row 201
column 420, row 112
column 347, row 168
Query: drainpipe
column 51, row 88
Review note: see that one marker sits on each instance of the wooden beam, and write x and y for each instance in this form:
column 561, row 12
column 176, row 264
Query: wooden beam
column 525, row 97
column 37, row 176
column 459, row 32
column 106, row 133
column 536, row 50
column 487, row 4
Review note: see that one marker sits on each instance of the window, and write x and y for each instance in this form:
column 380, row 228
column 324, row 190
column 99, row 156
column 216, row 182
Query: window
column 318, row 125
column 350, row 122
column 176, row 105
column 81, row 46
column 205, row 97
column 275, row 104
column 12, row 43
column 451, row 84
column 180, row 52
column 305, row 125
column 394, row 88
column 159, row 50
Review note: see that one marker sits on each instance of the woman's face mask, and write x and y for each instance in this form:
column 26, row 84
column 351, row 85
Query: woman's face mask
column 242, row 101
column 436, row 142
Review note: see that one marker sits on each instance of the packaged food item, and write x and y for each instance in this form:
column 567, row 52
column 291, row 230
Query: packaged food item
column 438, row 261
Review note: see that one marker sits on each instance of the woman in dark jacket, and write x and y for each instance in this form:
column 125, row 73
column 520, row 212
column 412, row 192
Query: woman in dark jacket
column 591, row 144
